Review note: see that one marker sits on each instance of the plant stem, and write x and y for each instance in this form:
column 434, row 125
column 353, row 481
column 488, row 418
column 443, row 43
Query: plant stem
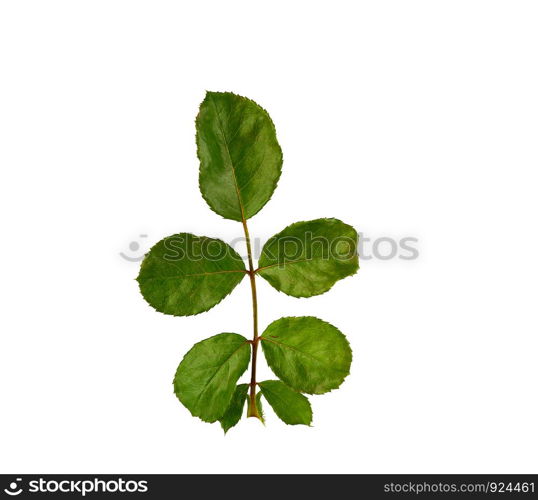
column 252, row 409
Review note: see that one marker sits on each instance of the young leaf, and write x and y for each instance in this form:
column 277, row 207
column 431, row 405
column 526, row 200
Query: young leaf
column 186, row 274
column 240, row 158
column 206, row 377
column 259, row 407
column 233, row 414
column 308, row 258
column 291, row 407
column 307, row 353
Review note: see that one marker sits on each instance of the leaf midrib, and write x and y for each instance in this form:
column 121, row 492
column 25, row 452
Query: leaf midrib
column 285, row 403
column 284, row 264
column 293, row 348
column 245, row 342
column 149, row 278
column 236, row 184
column 274, row 394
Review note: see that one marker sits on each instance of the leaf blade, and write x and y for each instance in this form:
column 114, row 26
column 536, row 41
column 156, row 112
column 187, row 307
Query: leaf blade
column 307, row 258
column 205, row 379
column 235, row 410
column 240, row 158
column 290, row 406
column 185, row 274
column 307, row 354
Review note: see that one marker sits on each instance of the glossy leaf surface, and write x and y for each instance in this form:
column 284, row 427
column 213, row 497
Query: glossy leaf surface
column 206, row 378
column 308, row 258
column 186, row 274
column 240, row 158
column 307, row 354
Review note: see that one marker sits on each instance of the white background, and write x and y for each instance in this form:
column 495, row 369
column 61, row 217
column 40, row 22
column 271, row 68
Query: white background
column 403, row 118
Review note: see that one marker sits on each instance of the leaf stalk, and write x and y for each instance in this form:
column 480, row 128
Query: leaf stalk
column 252, row 407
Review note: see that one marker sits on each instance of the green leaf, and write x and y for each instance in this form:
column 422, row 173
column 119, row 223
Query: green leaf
column 235, row 410
column 308, row 258
column 290, row 406
column 259, row 407
column 240, row 159
column 206, row 377
column 186, row 274
column 307, row 353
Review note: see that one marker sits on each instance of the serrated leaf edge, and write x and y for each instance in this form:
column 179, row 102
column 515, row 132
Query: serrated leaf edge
column 260, row 269
column 242, row 409
column 262, row 338
column 187, row 353
column 244, row 272
column 291, row 389
column 275, row 183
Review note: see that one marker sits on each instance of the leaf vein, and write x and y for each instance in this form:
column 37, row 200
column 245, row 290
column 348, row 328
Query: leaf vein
column 229, row 158
column 149, row 278
column 217, row 371
column 307, row 354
